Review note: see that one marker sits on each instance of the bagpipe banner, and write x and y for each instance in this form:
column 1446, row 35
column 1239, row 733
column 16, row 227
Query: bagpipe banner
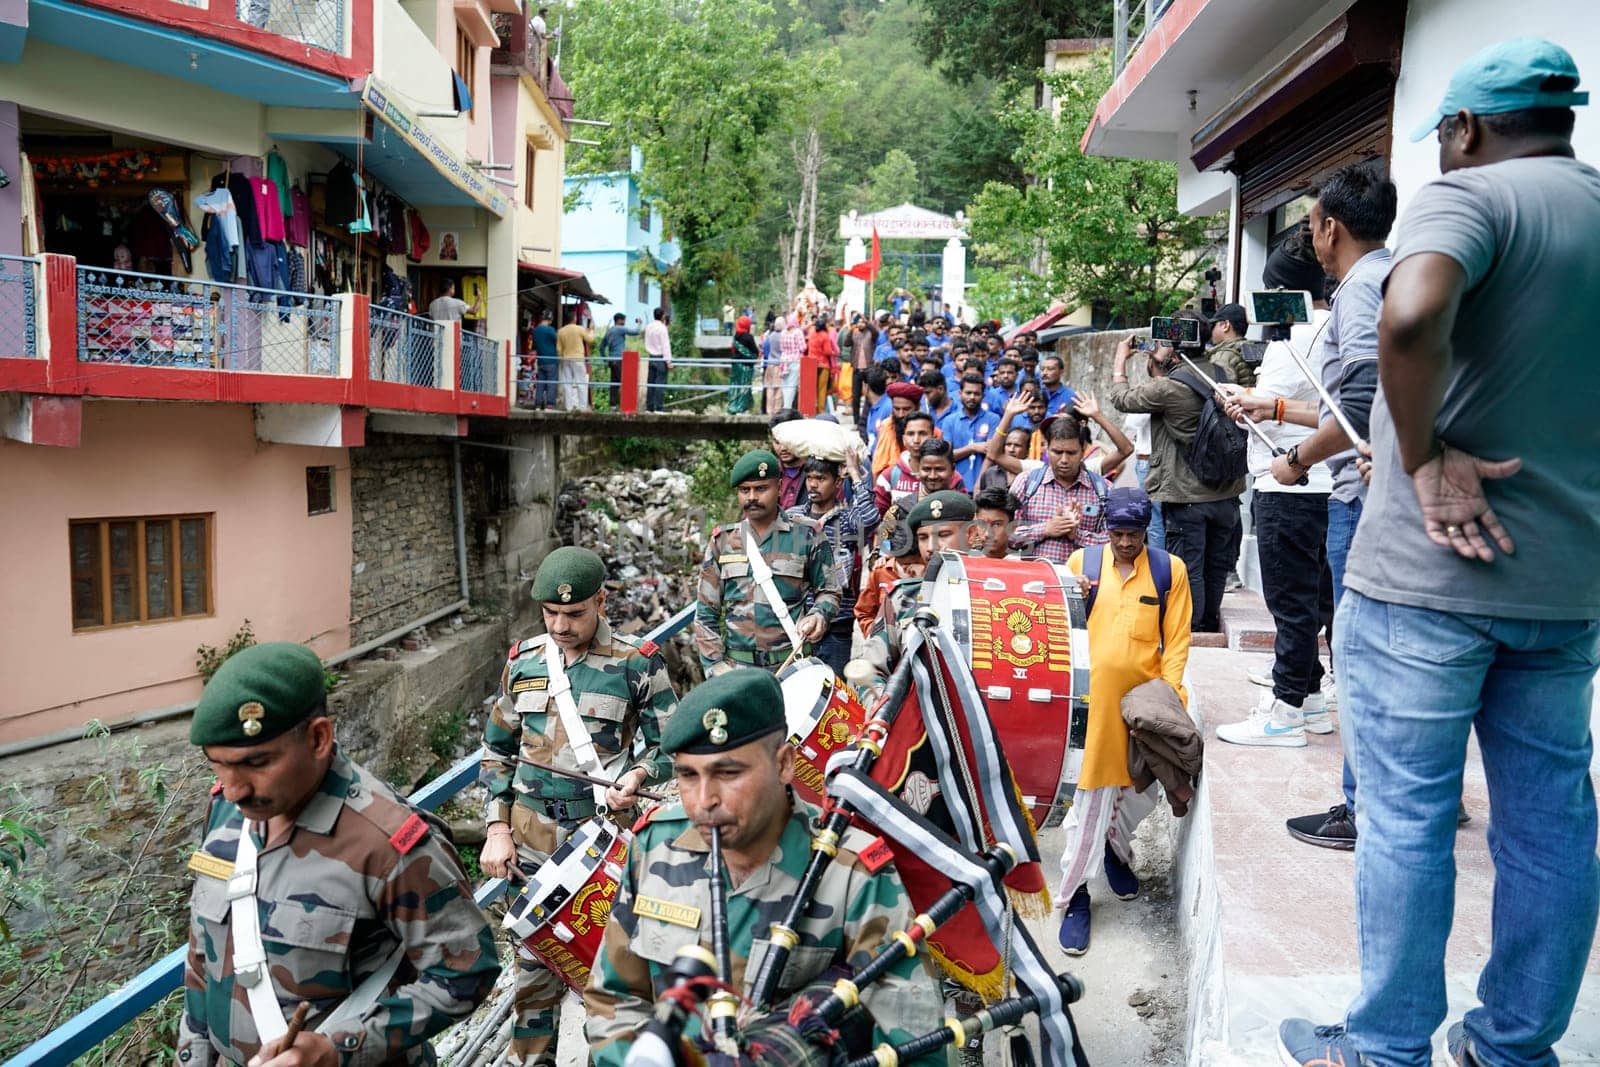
column 942, row 761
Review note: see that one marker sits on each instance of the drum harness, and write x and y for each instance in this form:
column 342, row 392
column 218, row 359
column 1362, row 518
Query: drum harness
column 250, row 967
column 762, row 573
column 578, row 738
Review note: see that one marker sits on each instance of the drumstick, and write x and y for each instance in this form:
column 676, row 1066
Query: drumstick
column 296, row 1024
column 580, row 776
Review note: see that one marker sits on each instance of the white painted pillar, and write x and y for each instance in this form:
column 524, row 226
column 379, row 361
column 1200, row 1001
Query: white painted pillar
column 953, row 279
column 854, row 295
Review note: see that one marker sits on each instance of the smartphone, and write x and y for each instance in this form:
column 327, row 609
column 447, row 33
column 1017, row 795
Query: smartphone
column 1175, row 332
column 1280, row 306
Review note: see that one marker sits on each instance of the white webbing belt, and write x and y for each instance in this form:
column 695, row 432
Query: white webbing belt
column 578, row 738
column 249, row 955
column 250, row 968
column 769, row 589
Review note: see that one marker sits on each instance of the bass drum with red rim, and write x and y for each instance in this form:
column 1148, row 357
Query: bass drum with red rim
column 1023, row 625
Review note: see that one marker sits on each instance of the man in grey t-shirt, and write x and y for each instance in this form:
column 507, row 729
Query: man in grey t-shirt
column 1472, row 597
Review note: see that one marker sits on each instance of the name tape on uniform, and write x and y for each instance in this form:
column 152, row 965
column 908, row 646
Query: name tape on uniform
column 666, row 911
column 529, row 685
column 210, row 866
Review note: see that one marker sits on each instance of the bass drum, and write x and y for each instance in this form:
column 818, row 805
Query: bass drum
column 560, row 915
column 1023, row 626
column 824, row 715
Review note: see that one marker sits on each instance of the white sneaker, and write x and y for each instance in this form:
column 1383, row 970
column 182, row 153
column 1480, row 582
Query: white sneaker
column 1262, row 677
column 1314, row 710
column 1330, row 693
column 1271, row 723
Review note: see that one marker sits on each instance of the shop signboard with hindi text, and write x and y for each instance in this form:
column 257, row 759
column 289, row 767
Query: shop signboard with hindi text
column 454, row 169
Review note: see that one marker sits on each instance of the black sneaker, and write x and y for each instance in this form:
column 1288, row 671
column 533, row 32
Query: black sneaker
column 1336, row 829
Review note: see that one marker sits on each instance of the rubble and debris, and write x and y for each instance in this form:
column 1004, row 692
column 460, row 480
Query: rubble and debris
column 652, row 536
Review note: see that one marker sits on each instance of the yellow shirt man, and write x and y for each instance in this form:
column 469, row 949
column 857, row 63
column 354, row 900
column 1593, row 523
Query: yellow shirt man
column 1130, row 643
column 573, row 341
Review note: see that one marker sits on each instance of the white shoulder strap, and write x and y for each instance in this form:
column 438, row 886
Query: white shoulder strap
column 571, row 722
column 769, row 589
column 249, row 955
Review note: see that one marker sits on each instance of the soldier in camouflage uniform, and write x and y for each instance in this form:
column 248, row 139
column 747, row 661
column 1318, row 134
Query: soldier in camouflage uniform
column 733, row 763
column 937, row 522
column 621, row 692
column 349, row 880
column 734, row 624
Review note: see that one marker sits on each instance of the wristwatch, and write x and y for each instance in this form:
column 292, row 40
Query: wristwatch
column 1293, row 456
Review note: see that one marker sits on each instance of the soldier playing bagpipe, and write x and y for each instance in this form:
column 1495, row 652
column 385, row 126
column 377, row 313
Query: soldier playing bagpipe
column 573, row 700
column 729, row 749
column 320, row 897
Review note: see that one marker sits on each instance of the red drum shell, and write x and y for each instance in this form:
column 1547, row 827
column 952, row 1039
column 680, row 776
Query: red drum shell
column 824, row 716
column 560, row 915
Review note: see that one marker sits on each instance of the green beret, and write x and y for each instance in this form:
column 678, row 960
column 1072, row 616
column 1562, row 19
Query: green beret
column 732, row 709
column 950, row 505
column 755, row 465
column 257, row 694
column 568, row 575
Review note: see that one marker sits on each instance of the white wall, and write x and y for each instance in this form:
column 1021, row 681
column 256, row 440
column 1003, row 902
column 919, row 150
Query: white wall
column 1442, row 33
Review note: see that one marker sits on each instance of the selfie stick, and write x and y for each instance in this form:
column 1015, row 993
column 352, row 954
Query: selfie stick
column 1344, row 423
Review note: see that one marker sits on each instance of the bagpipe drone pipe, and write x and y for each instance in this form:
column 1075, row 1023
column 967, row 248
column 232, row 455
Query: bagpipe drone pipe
column 928, row 775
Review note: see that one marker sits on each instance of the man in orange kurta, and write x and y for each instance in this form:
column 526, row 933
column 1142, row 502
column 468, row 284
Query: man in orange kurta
column 1129, row 643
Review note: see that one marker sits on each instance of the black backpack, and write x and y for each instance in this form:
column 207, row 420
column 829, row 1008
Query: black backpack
column 1218, row 453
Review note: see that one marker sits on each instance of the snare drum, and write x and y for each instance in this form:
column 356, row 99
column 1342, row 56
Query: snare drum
column 824, row 716
column 1024, row 627
column 560, row 915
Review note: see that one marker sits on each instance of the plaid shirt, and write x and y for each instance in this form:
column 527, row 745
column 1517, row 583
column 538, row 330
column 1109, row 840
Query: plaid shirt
column 791, row 345
column 1042, row 498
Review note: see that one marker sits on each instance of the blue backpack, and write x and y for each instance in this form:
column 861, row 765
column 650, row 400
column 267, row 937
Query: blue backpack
column 1160, row 572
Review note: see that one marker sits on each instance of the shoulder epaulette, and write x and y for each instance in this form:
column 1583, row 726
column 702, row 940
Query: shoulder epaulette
column 649, row 813
column 216, row 788
column 649, row 648
column 522, row 648
column 411, row 831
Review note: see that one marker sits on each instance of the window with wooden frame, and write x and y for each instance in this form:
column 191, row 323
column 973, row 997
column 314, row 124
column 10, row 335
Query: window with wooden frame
column 320, row 497
column 128, row 571
column 467, row 67
column 529, row 155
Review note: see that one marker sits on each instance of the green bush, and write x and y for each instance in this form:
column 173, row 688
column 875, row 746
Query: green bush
column 207, row 659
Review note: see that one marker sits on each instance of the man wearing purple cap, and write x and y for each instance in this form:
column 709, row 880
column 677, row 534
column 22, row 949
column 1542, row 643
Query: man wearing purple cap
column 1139, row 630
column 1471, row 601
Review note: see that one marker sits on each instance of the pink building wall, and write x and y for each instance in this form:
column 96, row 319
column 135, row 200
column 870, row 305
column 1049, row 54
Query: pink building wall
column 288, row 572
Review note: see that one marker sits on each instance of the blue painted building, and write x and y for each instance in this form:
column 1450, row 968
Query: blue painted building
column 609, row 234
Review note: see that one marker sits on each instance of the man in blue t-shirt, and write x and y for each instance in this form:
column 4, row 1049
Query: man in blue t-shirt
column 1057, row 393
column 547, row 363
column 968, row 428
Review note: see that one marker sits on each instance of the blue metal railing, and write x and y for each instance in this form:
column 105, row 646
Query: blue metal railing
column 86, row 1030
column 18, row 300
column 155, row 320
column 407, row 349
column 479, row 363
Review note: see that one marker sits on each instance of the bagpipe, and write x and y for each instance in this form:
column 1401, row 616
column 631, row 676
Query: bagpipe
column 928, row 773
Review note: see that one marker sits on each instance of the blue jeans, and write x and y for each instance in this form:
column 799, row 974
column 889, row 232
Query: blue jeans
column 1343, row 518
column 1157, row 534
column 1418, row 681
column 544, row 390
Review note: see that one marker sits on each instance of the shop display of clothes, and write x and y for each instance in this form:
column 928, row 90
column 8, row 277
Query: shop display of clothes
column 269, row 209
column 221, row 233
column 342, row 205
column 298, row 222
column 278, row 171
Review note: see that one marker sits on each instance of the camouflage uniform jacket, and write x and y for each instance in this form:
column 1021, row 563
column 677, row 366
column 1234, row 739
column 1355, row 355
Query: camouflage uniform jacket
column 360, row 873
column 664, row 903
column 1229, row 355
column 732, row 619
column 883, row 643
column 621, row 690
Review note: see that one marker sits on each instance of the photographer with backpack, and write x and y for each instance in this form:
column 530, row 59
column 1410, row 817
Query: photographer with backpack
column 1197, row 468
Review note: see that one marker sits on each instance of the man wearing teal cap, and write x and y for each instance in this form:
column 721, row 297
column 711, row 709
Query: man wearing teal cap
column 768, row 586
column 729, row 747
column 574, row 699
column 1465, row 609
column 316, row 885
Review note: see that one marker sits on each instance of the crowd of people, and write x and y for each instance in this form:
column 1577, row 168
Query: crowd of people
column 1427, row 497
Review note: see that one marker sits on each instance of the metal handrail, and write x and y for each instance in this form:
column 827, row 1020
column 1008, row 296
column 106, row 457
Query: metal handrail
column 479, row 363
column 86, row 1030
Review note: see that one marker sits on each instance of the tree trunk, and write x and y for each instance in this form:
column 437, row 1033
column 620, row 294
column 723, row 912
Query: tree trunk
column 813, row 171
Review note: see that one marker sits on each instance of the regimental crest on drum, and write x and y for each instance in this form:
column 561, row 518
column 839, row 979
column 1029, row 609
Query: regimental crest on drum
column 591, row 907
column 919, row 792
column 1013, row 630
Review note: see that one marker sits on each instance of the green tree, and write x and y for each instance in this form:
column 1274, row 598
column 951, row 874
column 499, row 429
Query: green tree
column 1095, row 231
column 892, row 182
column 699, row 85
column 1003, row 39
